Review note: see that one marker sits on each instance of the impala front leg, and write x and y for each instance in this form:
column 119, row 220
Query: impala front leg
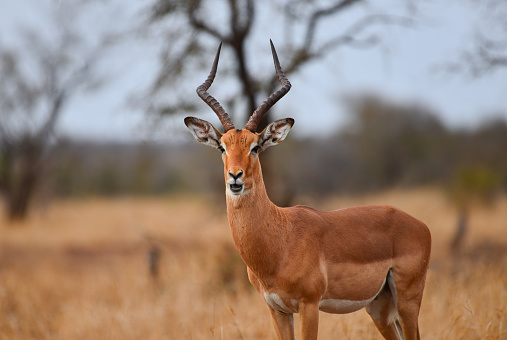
column 309, row 320
column 284, row 324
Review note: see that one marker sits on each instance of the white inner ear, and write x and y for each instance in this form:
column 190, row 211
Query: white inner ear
column 274, row 134
column 278, row 135
column 199, row 133
column 205, row 134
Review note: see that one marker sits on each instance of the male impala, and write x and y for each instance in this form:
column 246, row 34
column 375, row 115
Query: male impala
column 302, row 260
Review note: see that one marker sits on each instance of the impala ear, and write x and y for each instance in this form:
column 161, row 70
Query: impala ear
column 275, row 132
column 203, row 131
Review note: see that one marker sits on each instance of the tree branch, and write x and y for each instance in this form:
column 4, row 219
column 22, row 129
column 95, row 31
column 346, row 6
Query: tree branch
column 202, row 26
column 319, row 15
column 360, row 26
column 491, row 53
column 241, row 25
column 250, row 9
column 304, row 54
column 486, row 56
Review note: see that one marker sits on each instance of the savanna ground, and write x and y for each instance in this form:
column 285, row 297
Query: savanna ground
column 80, row 269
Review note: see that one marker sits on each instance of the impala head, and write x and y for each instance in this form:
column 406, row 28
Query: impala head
column 240, row 148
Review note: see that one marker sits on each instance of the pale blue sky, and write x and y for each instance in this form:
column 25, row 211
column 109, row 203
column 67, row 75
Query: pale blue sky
column 401, row 70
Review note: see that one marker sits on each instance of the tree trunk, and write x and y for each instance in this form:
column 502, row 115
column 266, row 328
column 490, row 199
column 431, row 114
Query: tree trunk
column 19, row 199
column 461, row 230
column 19, row 174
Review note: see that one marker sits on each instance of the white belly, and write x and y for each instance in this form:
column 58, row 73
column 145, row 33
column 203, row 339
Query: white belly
column 338, row 306
column 335, row 306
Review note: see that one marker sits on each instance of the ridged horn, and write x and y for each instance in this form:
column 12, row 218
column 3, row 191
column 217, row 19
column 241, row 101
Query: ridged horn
column 256, row 117
column 210, row 100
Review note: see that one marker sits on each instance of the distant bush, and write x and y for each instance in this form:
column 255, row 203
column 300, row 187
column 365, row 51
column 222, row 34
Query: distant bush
column 385, row 144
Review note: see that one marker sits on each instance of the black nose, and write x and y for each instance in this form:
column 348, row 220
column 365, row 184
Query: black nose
column 238, row 175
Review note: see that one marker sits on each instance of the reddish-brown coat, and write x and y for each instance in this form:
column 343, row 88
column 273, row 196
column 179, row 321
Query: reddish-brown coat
column 299, row 257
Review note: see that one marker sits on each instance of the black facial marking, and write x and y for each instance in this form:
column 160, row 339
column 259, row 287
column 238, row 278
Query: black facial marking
column 243, row 140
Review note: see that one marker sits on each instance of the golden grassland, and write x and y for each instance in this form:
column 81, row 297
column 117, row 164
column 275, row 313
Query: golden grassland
column 80, row 270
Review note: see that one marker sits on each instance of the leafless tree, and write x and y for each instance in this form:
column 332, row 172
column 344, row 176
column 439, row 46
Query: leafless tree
column 196, row 28
column 38, row 78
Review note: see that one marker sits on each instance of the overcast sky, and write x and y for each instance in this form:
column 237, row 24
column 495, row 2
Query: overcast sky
column 403, row 69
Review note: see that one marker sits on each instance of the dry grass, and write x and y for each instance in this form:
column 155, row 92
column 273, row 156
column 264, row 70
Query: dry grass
column 79, row 270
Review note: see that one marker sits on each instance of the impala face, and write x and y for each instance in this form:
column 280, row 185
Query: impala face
column 240, row 150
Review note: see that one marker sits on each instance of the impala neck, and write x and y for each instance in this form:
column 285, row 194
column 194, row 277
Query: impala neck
column 249, row 218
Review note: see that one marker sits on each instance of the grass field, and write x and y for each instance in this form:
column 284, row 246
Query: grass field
column 80, row 269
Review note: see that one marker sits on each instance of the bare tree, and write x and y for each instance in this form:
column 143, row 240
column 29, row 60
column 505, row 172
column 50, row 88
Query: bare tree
column 196, row 28
column 37, row 80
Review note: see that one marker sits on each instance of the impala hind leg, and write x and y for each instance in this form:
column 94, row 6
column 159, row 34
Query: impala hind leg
column 409, row 314
column 408, row 293
column 384, row 314
column 284, row 324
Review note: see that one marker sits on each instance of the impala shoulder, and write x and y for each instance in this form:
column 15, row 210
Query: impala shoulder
column 303, row 208
column 302, row 211
column 306, row 216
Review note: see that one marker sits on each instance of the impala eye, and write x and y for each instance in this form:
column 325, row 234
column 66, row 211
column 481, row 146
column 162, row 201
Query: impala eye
column 222, row 150
column 256, row 149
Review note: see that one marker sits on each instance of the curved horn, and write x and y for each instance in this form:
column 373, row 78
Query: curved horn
column 212, row 102
column 256, row 117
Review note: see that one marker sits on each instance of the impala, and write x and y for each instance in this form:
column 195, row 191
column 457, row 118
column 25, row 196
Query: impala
column 302, row 260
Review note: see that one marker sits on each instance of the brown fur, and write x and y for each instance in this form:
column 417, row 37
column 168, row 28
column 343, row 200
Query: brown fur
column 304, row 256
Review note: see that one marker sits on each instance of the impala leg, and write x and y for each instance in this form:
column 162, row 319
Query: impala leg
column 409, row 297
column 383, row 312
column 309, row 320
column 284, row 324
column 409, row 313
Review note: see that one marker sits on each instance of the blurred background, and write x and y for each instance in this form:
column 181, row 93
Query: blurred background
column 395, row 101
